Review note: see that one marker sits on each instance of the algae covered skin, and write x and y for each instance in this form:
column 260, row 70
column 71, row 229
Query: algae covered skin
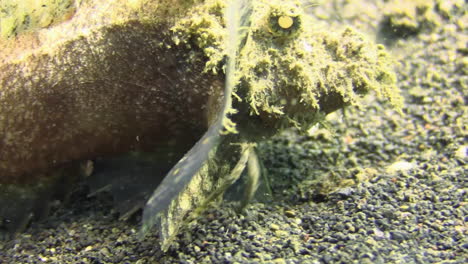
column 288, row 74
column 17, row 17
column 150, row 79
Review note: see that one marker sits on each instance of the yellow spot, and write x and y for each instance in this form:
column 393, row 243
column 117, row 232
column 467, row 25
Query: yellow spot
column 176, row 171
column 205, row 141
column 285, row 22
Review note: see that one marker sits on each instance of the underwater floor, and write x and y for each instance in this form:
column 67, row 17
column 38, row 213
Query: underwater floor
column 403, row 177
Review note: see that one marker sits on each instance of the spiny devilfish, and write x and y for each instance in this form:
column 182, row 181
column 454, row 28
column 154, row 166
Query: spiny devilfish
column 140, row 85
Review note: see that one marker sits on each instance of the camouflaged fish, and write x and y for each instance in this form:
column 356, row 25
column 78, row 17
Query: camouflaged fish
column 166, row 99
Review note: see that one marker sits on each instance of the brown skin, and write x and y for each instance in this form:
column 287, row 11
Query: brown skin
column 117, row 83
column 115, row 91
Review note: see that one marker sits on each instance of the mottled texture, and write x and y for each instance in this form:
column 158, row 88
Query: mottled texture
column 290, row 80
column 17, row 17
column 146, row 76
column 283, row 81
column 116, row 87
column 404, row 216
column 101, row 84
column 116, row 91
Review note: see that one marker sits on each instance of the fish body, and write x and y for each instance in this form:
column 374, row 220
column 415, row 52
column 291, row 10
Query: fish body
column 175, row 102
column 115, row 88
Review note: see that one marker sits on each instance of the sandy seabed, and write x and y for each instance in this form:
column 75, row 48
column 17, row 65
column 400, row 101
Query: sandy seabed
column 405, row 200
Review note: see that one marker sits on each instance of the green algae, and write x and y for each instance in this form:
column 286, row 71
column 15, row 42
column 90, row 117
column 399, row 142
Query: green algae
column 408, row 18
column 22, row 16
column 284, row 78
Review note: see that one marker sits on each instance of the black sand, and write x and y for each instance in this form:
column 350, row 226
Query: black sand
column 402, row 196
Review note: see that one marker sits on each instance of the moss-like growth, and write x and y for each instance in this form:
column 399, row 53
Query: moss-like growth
column 120, row 71
column 407, row 18
column 287, row 77
column 27, row 15
column 288, row 73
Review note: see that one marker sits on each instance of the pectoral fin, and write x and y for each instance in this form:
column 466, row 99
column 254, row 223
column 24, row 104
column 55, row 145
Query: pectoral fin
column 237, row 19
column 178, row 177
